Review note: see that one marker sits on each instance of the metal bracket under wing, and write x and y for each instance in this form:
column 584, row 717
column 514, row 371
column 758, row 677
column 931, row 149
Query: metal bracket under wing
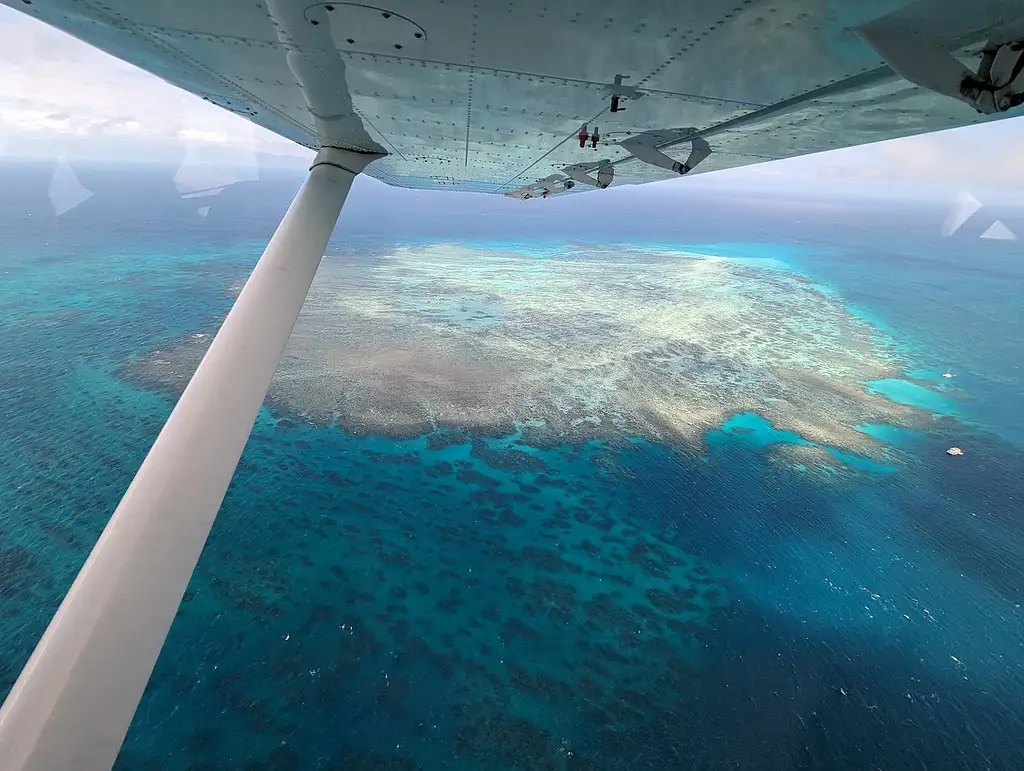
column 581, row 173
column 996, row 87
column 620, row 91
column 543, row 188
column 644, row 147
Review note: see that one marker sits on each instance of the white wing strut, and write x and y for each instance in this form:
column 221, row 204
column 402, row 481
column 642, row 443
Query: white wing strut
column 72, row 704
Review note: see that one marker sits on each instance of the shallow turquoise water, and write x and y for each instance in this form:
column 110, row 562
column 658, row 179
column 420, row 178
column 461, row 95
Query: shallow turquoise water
column 914, row 395
column 758, row 432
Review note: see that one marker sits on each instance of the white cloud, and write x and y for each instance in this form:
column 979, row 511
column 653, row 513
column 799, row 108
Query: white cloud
column 38, row 120
column 204, row 135
column 55, row 90
column 117, row 126
column 986, row 157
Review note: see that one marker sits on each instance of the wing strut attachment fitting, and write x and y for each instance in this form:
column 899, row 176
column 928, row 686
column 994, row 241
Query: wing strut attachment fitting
column 644, row 147
column 996, row 87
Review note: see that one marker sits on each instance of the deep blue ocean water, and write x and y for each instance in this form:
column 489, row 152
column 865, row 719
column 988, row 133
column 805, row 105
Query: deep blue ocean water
column 464, row 601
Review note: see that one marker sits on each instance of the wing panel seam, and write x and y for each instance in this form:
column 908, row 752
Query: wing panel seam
column 472, row 75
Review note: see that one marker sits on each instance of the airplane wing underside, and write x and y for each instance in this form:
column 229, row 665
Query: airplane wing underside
column 535, row 97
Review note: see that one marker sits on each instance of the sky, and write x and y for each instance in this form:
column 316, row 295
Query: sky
column 59, row 96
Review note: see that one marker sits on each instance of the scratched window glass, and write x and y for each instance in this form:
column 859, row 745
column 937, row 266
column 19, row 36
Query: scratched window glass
column 547, row 387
